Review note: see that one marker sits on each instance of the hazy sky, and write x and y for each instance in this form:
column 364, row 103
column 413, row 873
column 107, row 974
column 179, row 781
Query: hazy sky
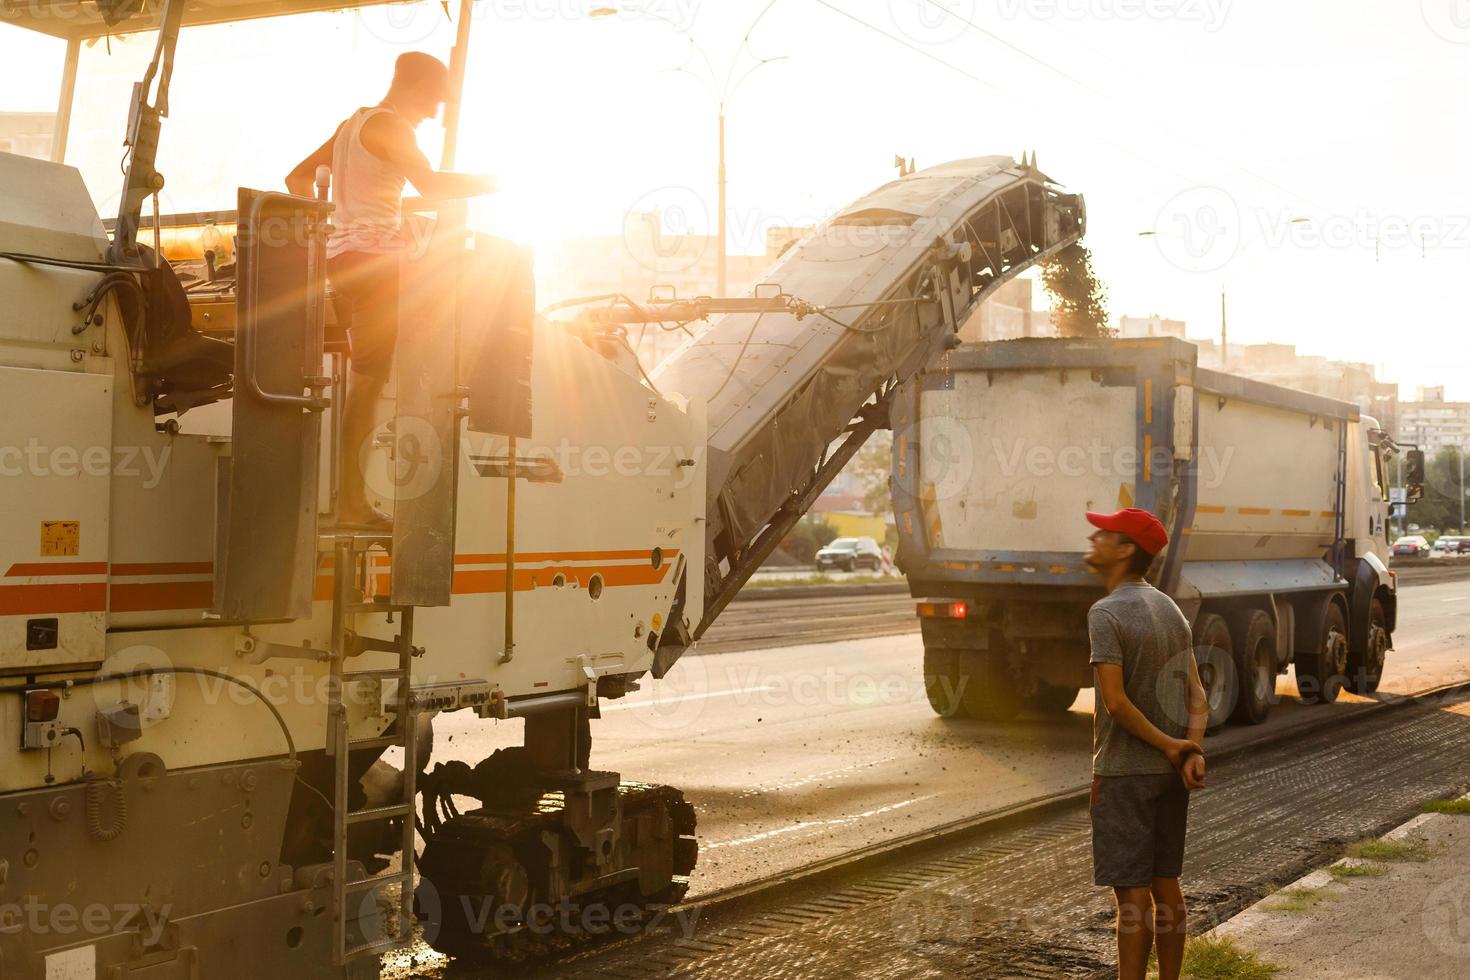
column 1310, row 156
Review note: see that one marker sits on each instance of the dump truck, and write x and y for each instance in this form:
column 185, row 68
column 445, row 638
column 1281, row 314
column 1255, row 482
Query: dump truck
column 1276, row 502
column 199, row 662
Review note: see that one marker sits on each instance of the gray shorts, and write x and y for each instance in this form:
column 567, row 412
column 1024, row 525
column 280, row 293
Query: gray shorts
column 1138, row 825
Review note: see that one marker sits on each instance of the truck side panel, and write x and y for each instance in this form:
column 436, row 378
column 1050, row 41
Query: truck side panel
column 1266, row 482
column 1020, row 480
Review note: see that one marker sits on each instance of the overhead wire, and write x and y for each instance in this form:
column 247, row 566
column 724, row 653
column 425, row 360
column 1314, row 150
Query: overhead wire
column 1172, row 134
column 1122, row 147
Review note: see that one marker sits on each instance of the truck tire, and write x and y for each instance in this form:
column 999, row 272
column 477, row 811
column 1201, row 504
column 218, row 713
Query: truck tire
column 1365, row 668
column 1049, row 699
column 942, row 681
column 1216, row 664
column 989, row 691
column 1255, row 667
column 1320, row 673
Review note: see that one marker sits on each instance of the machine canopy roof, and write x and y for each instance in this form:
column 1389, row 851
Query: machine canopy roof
column 84, row 19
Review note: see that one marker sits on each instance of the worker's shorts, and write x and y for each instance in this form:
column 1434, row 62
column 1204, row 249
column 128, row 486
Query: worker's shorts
column 366, row 285
column 1138, row 827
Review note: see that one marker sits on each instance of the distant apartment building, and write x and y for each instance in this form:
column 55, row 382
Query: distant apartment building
column 647, row 255
column 1432, row 423
column 1008, row 314
column 27, row 133
column 1150, row 326
column 1280, row 364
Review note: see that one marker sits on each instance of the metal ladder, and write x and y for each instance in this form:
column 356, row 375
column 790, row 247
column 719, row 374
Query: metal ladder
column 348, row 600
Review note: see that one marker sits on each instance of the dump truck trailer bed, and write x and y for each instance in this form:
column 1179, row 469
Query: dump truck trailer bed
column 1275, row 501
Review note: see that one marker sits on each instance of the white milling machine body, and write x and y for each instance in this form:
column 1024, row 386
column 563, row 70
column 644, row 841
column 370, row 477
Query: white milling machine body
column 196, row 668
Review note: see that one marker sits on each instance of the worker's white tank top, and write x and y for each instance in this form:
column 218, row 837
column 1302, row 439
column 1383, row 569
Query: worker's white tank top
column 368, row 194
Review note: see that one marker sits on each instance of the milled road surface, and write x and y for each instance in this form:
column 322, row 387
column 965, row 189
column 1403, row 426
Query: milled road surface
column 799, row 754
column 1021, row 903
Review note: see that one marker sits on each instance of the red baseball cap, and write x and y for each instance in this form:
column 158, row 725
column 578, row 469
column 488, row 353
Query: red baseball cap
column 1141, row 527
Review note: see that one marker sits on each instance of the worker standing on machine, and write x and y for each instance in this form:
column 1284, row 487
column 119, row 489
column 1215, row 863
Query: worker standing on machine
column 371, row 155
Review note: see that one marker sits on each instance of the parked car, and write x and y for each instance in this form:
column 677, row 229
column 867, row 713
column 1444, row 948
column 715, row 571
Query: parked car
column 850, row 554
column 1411, row 545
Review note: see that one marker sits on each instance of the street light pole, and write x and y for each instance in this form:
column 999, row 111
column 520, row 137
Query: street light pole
column 720, row 233
column 1223, row 347
column 722, row 91
column 1224, row 339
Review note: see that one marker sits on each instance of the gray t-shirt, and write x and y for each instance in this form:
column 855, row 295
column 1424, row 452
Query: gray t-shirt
column 1139, row 628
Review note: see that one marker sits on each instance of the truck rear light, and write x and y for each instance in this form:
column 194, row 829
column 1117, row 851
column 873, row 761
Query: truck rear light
column 42, row 705
column 943, row 610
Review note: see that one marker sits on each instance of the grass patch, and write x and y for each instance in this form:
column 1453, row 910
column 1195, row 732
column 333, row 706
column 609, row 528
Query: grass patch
column 1390, row 850
column 1365, row 869
column 1208, row 958
column 1457, row 807
column 1297, row 899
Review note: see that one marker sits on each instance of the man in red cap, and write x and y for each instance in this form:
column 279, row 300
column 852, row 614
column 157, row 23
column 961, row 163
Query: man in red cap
column 371, row 155
column 1147, row 727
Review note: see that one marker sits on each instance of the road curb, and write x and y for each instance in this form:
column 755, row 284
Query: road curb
column 901, row 587
column 1256, row 920
column 737, row 897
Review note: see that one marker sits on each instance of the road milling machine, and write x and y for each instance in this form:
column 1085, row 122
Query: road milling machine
column 197, row 666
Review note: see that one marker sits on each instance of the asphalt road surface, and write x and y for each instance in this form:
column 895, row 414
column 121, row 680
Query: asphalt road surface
column 797, row 754
column 756, row 622
column 1019, row 901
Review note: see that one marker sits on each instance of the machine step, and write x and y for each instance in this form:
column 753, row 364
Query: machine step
column 381, row 742
column 379, row 813
column 368, row 884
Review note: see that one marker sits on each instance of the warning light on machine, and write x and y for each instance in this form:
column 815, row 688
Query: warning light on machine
column 42, row 705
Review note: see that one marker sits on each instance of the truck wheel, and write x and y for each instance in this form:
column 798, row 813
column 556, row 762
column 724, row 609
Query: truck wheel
column 989, row 692
column 1255, row 666
column 1213, row 658
column 942, row 681
column 1050, row 699
column 1319, row 674
column 1365, row 669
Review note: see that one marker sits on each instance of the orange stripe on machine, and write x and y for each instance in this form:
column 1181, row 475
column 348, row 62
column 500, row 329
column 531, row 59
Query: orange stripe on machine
column 68, row 598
